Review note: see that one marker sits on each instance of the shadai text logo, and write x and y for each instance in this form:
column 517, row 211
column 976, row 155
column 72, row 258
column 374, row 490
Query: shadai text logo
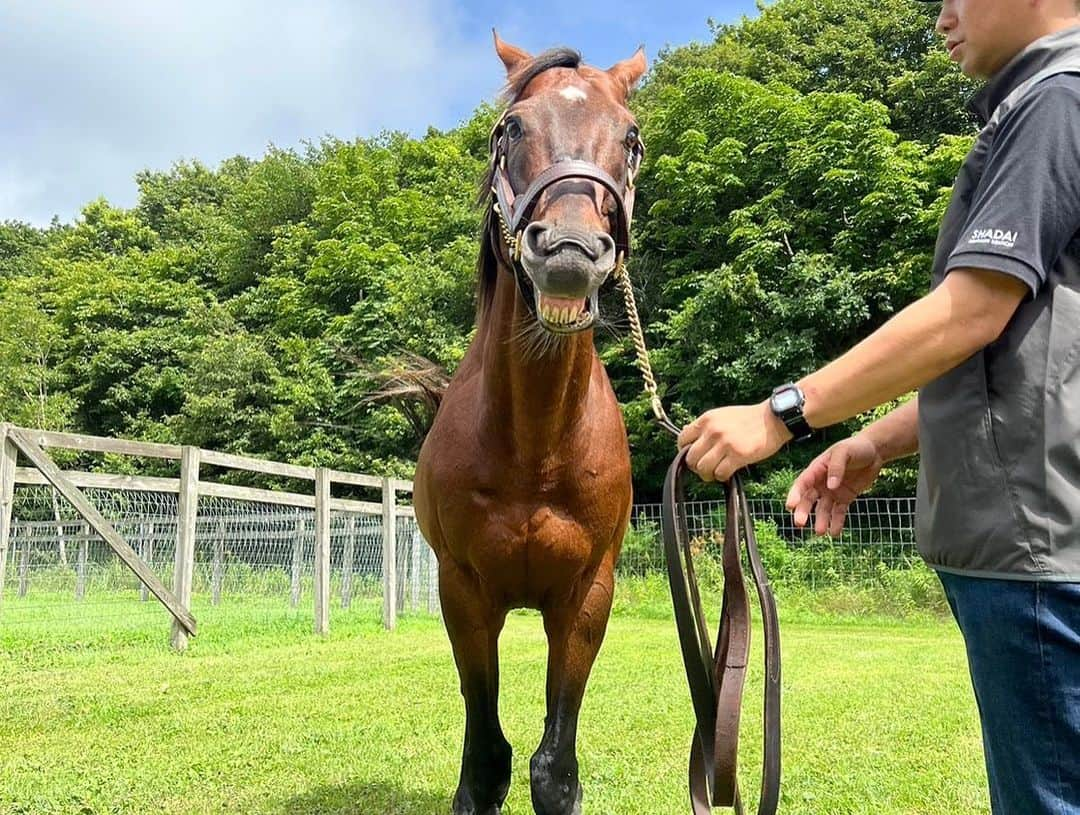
column 994, row 237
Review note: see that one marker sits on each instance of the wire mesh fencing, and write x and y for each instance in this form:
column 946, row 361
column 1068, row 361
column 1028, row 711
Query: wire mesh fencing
column 254, row 562
column 878, row 537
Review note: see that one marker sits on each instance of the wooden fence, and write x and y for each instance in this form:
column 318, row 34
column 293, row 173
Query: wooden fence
column 32, row 445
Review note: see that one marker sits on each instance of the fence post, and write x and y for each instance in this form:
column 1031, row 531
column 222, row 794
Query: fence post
column 389, row 564
column 219, row 565
column 433, row 582
column 322, row 550
column 347, row 562
column 8, row 455
column 147, row 555
column 24, row 563
column 297, row 559
column 187, row 515
column 414, row 576
column 60, row 537
column 403, row 564
column 80, row 568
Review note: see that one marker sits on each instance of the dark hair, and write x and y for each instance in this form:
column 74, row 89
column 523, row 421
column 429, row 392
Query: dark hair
column 553, row 58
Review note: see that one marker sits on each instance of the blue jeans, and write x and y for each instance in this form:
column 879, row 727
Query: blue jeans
column 1023, row 649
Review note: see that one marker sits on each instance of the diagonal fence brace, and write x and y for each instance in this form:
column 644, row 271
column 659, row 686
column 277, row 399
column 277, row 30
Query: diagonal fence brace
column 40, row 459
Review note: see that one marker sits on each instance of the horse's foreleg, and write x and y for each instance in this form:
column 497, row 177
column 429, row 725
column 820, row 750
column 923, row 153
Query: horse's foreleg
column 575, row 631
column 474, row 625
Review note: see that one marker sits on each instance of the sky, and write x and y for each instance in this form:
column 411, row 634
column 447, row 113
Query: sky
column 93, row 92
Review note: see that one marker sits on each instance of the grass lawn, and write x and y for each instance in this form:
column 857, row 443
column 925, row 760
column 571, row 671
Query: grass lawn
column 878, row 718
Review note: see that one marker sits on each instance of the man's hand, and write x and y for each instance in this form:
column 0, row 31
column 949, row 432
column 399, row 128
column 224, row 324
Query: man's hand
column 832, row 481
column 728, row 438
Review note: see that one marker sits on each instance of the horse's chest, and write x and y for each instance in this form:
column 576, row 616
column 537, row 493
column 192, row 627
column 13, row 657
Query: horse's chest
column 541, row 538
column 546, row 522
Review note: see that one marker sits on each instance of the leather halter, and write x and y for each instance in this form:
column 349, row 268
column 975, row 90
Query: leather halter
column 716, row 678
column 515, row 211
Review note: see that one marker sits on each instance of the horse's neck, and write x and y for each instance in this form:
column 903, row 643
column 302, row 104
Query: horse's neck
column 534, row 397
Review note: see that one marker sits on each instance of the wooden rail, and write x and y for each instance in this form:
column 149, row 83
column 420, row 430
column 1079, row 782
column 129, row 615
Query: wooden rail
column 33, row 445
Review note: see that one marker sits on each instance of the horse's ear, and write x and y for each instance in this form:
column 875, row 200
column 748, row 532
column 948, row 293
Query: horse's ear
column 629, row 72
column 512, row 56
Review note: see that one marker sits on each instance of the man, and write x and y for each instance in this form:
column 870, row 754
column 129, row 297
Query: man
column 994, row 351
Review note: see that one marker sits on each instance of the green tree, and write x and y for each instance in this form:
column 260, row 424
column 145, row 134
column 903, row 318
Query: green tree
column 883, row 50
column 781, row 228
column 32, row 392
column 21, row 246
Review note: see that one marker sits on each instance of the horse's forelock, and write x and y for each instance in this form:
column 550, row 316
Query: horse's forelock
column 553, row 58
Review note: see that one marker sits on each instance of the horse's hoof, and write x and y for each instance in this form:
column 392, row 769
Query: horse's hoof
column 463, row 805
column 560, row 803
column 556, row 789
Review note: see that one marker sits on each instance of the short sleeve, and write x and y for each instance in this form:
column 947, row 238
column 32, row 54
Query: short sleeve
column 1026, row 207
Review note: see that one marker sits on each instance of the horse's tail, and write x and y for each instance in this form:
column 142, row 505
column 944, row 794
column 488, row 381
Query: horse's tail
column 414, row 385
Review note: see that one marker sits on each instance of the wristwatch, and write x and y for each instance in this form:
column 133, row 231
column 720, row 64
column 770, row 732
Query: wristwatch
column 786, row 404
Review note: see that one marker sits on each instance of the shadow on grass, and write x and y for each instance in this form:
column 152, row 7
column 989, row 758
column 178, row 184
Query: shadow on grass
column 366, row 798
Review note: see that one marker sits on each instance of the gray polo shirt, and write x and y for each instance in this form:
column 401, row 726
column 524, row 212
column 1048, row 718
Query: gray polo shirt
column 999, row 435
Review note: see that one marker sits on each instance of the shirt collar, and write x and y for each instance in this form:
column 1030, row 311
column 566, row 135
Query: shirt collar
column 1034, row 58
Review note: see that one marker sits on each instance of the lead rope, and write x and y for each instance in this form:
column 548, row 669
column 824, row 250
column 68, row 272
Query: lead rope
column 702, row 776
column 641, row 353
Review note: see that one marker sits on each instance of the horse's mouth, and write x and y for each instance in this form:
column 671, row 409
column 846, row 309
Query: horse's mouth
column 561, row 315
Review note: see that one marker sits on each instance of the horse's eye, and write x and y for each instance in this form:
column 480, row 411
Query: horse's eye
column 514, row 130
column 633, row 139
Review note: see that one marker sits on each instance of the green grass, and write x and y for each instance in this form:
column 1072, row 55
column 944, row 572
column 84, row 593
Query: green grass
column 259, row 716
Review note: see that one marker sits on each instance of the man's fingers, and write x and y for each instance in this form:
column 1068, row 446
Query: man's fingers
column 689, row 434
column 694, row 454
column 823, row 513
column 837, row 468
column 702, row 459
column 706, row 466
column 802, row 510
column 794, row 495
column 801, row 486
column 725, row 469
column 812, row 478
column 836, row 521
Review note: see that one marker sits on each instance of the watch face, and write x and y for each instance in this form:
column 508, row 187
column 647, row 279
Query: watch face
column 785, row 401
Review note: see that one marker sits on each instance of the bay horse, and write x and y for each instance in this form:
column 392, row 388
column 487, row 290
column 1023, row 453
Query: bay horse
column 522, row 486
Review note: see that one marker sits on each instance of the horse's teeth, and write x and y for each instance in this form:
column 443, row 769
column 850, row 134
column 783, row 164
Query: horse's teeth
column 561, row 315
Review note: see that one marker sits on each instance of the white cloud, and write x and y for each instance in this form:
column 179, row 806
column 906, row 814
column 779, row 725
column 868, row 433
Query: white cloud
column 93, row 92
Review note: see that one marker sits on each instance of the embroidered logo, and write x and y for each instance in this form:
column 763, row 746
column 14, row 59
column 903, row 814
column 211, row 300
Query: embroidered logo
column 994, row 237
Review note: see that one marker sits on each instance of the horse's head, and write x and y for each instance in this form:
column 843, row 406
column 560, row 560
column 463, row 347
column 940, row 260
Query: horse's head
column 564, row 156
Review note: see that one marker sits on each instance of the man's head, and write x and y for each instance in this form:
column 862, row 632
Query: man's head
column 983, row 35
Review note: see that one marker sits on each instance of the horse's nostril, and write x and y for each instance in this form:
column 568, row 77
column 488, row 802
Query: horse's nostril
column 536, row 235
column 543, row 240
